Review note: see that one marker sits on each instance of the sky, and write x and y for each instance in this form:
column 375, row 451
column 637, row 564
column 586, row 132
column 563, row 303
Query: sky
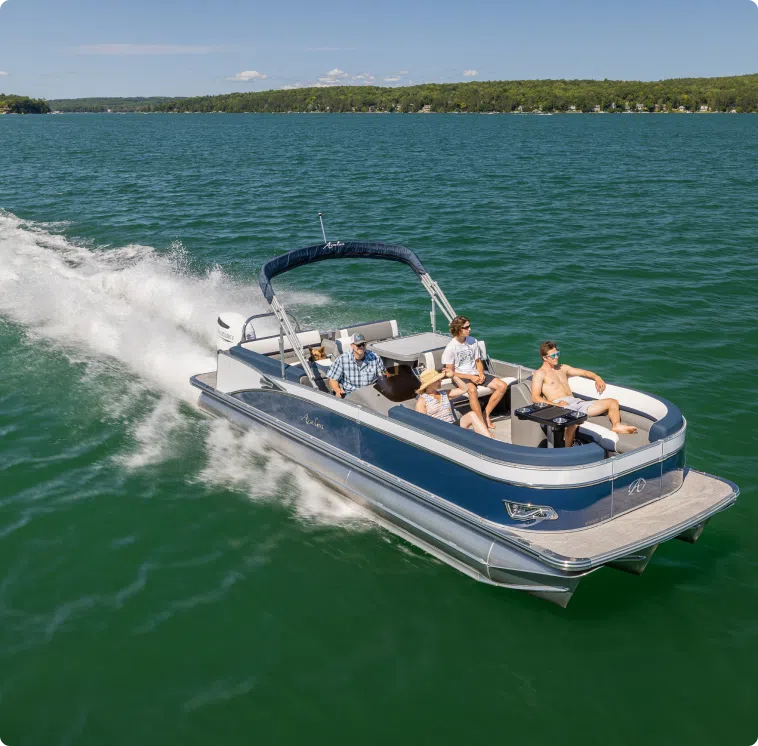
column 82, row 48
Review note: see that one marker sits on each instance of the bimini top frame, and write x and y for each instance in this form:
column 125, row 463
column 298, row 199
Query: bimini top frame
column 341, row 250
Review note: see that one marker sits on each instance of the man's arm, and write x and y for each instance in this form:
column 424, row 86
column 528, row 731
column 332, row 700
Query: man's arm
column 339, row 392
column 537, row 380
column 381, row 368
column 599, row 382
column 334, row 376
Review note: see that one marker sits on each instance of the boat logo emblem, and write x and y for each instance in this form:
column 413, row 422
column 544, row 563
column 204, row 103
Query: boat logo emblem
column 334, row 245
column 312, row 422
column 637, row 485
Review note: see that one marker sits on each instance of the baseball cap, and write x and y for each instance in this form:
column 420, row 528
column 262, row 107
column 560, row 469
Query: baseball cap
column 357, row 339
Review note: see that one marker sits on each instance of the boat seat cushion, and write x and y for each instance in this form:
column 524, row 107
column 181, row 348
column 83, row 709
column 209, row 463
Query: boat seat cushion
column 524, row 432
column 480, row 390
column 599, row 430
column 270, row 345
column 372, row 331
column 330, row 348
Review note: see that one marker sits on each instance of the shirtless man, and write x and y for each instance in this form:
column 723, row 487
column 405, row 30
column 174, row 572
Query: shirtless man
column 550, row 384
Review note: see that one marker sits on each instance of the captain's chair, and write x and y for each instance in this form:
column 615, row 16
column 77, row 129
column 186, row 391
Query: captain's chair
column 372, row 331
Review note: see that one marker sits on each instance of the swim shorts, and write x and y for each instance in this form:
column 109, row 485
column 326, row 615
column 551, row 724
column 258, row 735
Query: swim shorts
column 574, row 404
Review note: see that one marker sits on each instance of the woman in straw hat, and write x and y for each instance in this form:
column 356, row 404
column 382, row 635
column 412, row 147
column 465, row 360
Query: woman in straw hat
column 436, row 403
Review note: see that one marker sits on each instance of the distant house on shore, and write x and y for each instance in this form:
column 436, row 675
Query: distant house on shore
column 597, row 108
column 705, row 107
column 572, row 108
column 640, row 107
column 4, row 110
column 682, row 108
column 425, row 109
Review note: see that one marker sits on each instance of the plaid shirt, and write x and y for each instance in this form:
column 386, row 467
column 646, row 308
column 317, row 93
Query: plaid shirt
column 351, row 374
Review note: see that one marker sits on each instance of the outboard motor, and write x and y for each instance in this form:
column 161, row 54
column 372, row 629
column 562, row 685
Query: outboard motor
column 230, row 330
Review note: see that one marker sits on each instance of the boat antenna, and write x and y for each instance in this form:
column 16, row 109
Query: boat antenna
column 321, row 218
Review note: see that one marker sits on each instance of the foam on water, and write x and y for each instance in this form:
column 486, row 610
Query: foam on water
column 132, row 307
column 243, row 462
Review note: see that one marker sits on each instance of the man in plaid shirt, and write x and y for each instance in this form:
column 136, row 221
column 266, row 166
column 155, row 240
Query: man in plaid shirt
column 359, row 367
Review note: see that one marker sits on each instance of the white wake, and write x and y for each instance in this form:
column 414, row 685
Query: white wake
column 150, row 314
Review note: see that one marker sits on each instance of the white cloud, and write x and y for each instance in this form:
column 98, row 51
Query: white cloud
column 132, row 49
column 469, row 73
column 248, row 75
column 1, row 2
column 3, row 75
column 337, row 77
column 330, row 49
column 333, row 77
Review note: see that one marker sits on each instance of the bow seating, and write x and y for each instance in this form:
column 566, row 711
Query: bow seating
column 596, row 429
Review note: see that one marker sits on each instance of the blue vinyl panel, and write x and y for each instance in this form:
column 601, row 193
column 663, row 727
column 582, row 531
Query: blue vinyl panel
column 319, row 422
column 577, row 508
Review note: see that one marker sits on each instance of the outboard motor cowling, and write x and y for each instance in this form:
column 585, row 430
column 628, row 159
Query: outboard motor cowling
column 229, row 330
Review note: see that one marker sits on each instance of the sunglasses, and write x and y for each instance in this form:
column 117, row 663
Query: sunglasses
column 554, row 355
column 360, row 345
column 466, row 326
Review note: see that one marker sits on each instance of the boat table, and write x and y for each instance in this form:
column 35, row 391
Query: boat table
column 409, row 349
column 556, row 418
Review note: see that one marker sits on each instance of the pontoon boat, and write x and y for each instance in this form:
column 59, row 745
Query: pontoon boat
column 513, row 511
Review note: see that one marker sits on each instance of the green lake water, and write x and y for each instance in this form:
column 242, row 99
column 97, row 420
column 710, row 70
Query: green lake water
column 166, row 581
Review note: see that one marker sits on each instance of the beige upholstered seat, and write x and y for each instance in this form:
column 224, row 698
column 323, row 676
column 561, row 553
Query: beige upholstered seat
column 597, row 429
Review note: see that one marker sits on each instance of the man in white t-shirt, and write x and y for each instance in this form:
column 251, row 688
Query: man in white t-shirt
column 462, row 359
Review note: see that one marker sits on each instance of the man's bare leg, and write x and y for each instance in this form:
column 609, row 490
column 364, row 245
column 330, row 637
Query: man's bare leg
column 569, row 434
column 473, row 397
column 611, row 407
column 498, row 392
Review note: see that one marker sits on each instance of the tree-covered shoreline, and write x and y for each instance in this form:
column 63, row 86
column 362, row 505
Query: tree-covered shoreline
column 731, row 94
column 12, row 104
column 113, row 105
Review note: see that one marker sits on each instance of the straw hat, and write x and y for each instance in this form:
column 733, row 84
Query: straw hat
column 427, row 377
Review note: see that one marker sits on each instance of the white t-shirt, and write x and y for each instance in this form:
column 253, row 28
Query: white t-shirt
column 463, row 355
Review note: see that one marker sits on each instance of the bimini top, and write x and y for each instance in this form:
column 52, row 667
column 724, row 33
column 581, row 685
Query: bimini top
column 334, row 250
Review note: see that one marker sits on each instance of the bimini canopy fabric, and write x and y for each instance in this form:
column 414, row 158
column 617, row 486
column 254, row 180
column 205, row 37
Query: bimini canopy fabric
column 334, row 250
